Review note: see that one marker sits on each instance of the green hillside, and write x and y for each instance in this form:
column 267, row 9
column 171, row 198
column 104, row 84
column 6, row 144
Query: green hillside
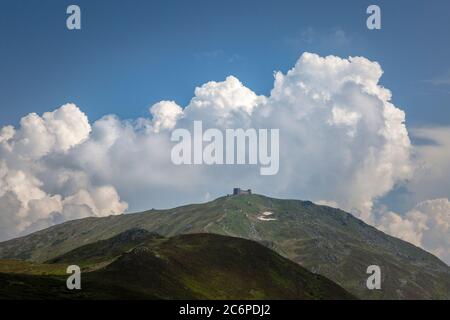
column 140, row 265
column 324, row 240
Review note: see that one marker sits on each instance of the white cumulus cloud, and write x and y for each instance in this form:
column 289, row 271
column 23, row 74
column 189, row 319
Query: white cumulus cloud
column 28, row 174
column 342, row 142
column 427, row 226
column 165, row 115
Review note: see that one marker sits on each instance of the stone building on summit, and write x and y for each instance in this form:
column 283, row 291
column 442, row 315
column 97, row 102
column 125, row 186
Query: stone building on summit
column 239, row 191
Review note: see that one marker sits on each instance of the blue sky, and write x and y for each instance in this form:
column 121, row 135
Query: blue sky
column 132, row 54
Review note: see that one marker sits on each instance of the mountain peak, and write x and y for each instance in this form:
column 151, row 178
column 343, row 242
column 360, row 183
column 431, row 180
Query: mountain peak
column 324, row 240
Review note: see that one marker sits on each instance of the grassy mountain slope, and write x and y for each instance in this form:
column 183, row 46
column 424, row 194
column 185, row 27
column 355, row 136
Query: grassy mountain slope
column 105, row 250
column 139, row 265
column 324, row 240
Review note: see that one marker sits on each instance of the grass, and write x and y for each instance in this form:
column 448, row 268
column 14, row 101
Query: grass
column 324, row 240
column 194, row 266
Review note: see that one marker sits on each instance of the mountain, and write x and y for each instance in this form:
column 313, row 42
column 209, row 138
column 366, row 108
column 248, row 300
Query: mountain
column 137, row 264
column 324, row 240
column 105, row 250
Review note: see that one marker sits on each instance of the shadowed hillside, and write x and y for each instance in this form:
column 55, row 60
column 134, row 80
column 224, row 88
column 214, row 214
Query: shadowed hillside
column 141, row 265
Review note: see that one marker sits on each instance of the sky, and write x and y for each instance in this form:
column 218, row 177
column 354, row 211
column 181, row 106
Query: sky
column 127, row 57
column 86, row 115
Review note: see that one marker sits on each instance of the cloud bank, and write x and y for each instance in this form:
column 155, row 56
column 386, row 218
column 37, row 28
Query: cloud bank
column 27, row 179
column 426, row 226
column 342, row 142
